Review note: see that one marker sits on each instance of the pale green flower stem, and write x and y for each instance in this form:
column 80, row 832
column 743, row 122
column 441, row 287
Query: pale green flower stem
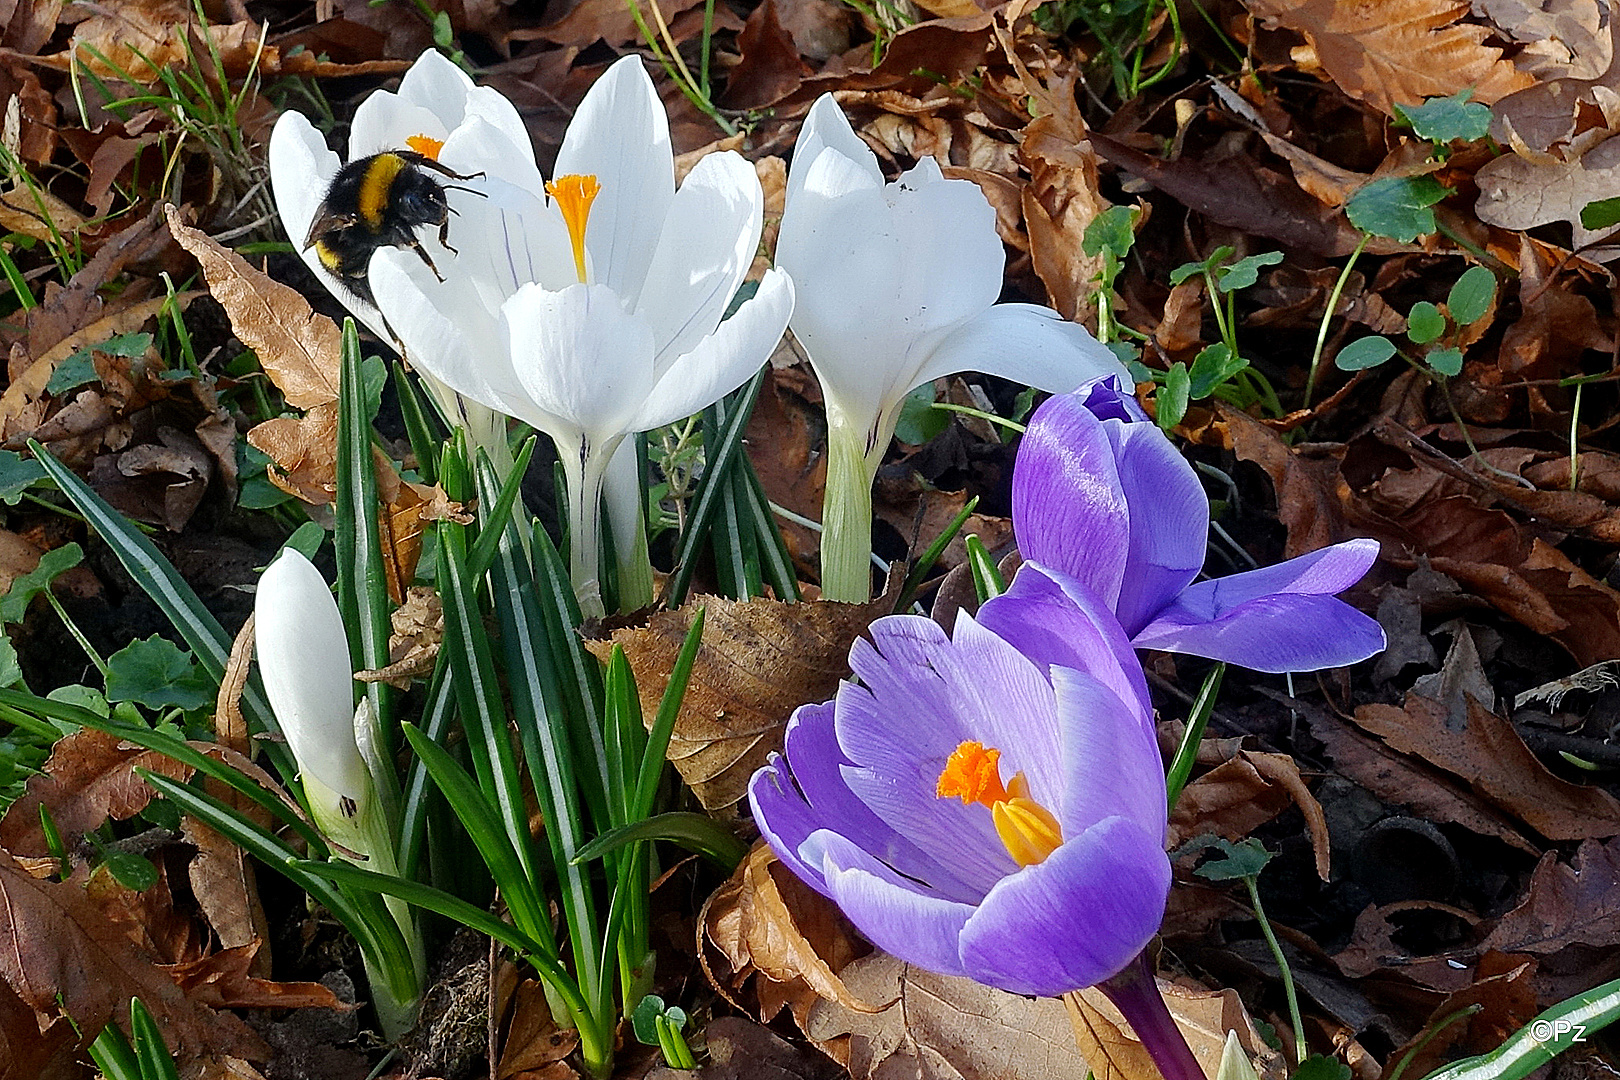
column 854, row 452
column 395, row 990
column 634, row 565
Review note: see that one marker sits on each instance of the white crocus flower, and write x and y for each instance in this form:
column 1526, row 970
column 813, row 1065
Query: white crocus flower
column 597, row 314
column 304, row 661
column 438, row 112
column 896, row 286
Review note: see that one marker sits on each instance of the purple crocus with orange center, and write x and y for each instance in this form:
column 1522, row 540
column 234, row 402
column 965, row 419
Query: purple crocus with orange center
column 977, row 815
column 1102, row 500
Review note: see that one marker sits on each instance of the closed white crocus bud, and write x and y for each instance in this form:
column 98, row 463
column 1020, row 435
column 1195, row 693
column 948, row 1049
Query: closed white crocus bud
column 896, row 286
column 304, row 661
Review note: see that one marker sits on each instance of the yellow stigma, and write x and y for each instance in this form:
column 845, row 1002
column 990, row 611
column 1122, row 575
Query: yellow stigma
column 1026, row 828
column 573, row 196
column 427, row 147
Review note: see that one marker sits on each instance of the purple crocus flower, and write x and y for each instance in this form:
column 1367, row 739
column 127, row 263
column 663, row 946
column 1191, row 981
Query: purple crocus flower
column 974, row 815
column 1101, row 498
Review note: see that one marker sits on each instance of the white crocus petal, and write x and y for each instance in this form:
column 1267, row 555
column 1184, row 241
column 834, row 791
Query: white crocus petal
column 725, row 359
column 301, row 169
column 304, row 660
column 1028, row 344
column 580, row 356
column 483, row 151
column 951, row 259
column 620, row 135
column 707, row 245
column 384, row 122
column 826, row 126
column 468, row 354
column 508, row 239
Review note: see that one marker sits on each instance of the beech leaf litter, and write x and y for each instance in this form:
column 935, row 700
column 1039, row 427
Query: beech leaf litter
column 1361, row 258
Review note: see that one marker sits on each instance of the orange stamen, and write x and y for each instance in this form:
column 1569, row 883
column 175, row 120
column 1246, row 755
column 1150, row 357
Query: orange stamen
column 573, row 196
column 426, row 146
column 1028, row 830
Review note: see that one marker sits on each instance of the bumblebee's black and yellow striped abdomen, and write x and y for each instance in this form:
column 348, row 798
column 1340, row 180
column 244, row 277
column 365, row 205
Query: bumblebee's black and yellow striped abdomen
column 379, row 201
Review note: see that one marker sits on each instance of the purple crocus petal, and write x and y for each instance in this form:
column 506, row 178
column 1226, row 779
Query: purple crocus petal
column 1110, row 759
column 785, row 820
column 884, row 735
column 1073, row 920
column 1169, row 522
column 1278, row 618
column 1109, row 399
column 1009, row 703
column 919, row 929
column 1054, row 621
column 1069, row 509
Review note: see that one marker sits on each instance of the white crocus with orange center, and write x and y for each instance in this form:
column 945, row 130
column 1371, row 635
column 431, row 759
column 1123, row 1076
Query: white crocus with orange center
column 897, row 286
column 442, row 114
column 597, row 314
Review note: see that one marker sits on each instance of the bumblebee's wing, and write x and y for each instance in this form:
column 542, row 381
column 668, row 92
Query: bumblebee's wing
column 327, row 220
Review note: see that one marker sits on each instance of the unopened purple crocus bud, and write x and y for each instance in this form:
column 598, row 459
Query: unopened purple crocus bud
column 1103, row 503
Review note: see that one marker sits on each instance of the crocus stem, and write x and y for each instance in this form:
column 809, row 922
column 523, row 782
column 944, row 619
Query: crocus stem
column 583, row 467
column 846, row 512
column 623, row 487
column 1135, row 993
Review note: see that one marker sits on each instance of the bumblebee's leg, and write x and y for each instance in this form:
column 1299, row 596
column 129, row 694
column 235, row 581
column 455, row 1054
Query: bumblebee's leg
column 444, row 235
column 436, row 167
column 417, row 247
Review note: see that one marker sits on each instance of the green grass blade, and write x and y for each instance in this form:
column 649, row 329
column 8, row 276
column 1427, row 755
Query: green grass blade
column 425, row 440
column 170, row 592
column 925, row 562
column 494, row 520
column 1538, row 1042
column 150, row 1047
column 731, row 418
column 415, row 795
column 488, row 834
column 113, row 1055
column 362, row 590
column 669, row 708
column 695, row 832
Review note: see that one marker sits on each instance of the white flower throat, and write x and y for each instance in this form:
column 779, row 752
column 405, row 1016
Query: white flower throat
column 573, row 195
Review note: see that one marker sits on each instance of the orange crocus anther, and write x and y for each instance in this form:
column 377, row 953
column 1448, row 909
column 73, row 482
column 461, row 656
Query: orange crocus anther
column 573, row 196
column 1027, row 829
column 972, row 773
column 425, row 145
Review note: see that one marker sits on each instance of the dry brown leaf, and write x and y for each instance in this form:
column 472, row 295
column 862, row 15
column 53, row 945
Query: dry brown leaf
column 765, row 920
column 29, row 1053
column 1577, row 903
column 297, row 348
column 1501, row 999
column 63, row 956
column 304, row 450
column 1563, row 39
column 224, row 980
column 535, row 1047
column 1487, row 753
column 1398, row 52
column 1060, row 200
column 1518, row 192
column 89, row 777
column 1243, row 793
column 760, row 659
column 1204, row 1016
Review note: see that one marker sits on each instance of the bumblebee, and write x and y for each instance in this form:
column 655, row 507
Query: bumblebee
column 379, row 201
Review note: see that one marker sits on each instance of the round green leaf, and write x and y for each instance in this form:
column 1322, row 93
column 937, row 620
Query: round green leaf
column 1367, row 352
column 1425, row 323
column 1397, row 206
column 1470, row 298
column 1446, row 361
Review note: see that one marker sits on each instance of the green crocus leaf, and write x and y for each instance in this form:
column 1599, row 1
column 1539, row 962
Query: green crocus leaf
column 1398, row 207
column 1470, row 298
column 1317, row 1067
column 158, row 674
column 1425, row 323
column 1448, row 119
column 1367, row 352
column 14, row 605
